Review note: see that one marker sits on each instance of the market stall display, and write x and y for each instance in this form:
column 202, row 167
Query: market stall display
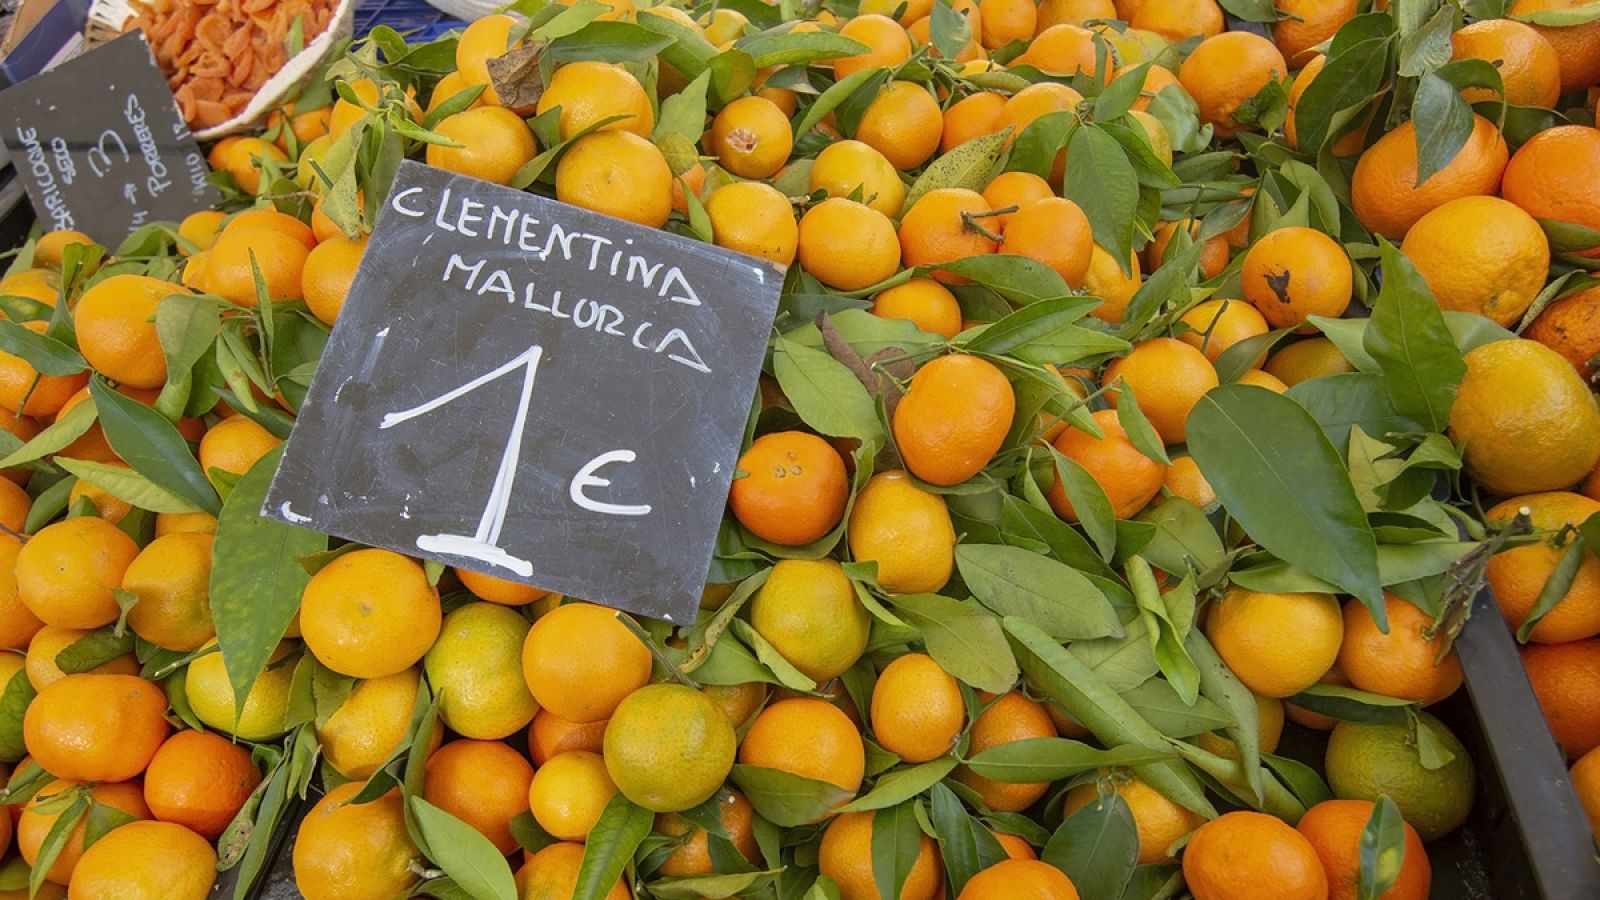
column 1165, row 415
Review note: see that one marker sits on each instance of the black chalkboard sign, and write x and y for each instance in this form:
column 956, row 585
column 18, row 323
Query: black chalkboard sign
column 101, row 146
column 535, row 391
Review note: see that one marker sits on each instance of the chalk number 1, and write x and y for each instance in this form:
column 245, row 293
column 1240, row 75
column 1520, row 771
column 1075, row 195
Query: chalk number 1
column 484, row 544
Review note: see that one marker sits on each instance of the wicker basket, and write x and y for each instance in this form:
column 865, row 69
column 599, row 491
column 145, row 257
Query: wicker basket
column 106, row 18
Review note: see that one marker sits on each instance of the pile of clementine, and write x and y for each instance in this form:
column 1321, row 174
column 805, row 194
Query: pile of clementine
column 1125, row 355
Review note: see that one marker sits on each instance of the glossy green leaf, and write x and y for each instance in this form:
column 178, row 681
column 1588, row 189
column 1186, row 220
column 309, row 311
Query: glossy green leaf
column 14, row 699
column 684, row 113
column 1276, row 472
column 1053, row 759
column 1015, row 582
column 787, row 800
column 45, row 354
column 1062, row 678
column 1351, row 705
column 256, row 581
column 1024, row 282
column 825, row 393
column 896, row 844
column 1350, row 78
column 1383, row 850
column 1097, row 847
column 464, row 853
column 1219, row 685
column 1123, row 91
column 1350, row 399
column 966, row 642
column 152, row 446
column 950, row 31
column 1101, row 180
column 829, row 100
column 901, row 785
column 55, row 840
column 622, row 826
column 965, row 845
column 1158, row 702
column 796, row 48
column 1444, row 123
column 1414, row 349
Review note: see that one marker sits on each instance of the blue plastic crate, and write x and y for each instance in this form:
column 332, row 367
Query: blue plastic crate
column 413, row 18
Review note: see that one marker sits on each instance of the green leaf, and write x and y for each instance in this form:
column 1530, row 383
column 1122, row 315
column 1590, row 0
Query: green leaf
column 1351, row 705
column 1140, row 431
column 1059, row 675
column 797, row 48
column 1021, row 280
column 1266, row 109
column 825, row 393
column 530, row 837
column 1230, row 776
column 732, row 73
column 622, row 826
column 1120, row 95
column 966, row 166
column 49, row 504
column 1158, row 702
column 1581, row 14
column 101, row 820
column 900, row 785
column 1349, row 79
column 1039, row 144
column 1167, row 283
column 1055, row 597
column 93, row 650
column 949, row 30
column 688, row 51
column 1184, row 538
column 1350, row 399
column 896, row 844
column 1444, row 122
column 149, row 443
column 464, row 853
column 1301, row 780
column 187, row 327
column 1383, row 850
column 55, row 840
column 1414, row 349
column 684, row 113
column 256, row 581
column 612, row 42
column 1219, row 685
column 1168, row 619
column 1274, row 470
column 1097, row 847
column 1428, row 47
column 1034, row 760
column 965, row 845
column 1101, row 180
column 127, row 485
column 694, row 887
column 788, row 800
column 966, row 642
column 14, row 700
column 1560, row 581
column 829, row 100
column 1251, row 10
column 1089, row 501
column 787, row 675
column 45, row 354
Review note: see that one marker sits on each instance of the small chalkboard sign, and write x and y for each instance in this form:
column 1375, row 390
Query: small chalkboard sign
column 101, row 146
column 534, row 391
